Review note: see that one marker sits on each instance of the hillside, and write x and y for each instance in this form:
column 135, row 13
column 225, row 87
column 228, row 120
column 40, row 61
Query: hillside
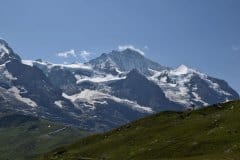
column 209, row 133
column 23, row 137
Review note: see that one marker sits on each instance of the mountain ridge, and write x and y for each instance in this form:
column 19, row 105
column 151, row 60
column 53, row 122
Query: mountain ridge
column 106, row 92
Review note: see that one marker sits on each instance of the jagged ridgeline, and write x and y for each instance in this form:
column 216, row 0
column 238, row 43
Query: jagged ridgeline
column 106, row 92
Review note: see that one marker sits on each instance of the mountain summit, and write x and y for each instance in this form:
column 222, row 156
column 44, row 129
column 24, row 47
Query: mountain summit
column 6, row 53
column 124, row 61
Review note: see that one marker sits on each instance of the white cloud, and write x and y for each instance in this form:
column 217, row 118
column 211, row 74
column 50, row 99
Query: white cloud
column 84, row 55
column 235, row 48
column 67, row 54
column 72, row 53
column 124, row 47
column 145, row 47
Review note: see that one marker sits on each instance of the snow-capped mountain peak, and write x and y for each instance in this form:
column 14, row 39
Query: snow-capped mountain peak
column 124, row 61
column 6, row 53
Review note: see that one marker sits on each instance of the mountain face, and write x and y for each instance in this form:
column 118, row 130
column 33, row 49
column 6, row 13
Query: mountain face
column 137, row 87
column 105, row 92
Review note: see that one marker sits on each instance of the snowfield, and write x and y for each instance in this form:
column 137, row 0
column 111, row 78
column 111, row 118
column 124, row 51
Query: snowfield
column 93, row 97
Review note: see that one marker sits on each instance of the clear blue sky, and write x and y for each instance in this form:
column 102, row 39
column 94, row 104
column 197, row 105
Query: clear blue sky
column 203, row 34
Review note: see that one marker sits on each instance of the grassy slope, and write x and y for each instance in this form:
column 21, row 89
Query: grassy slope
column 24, row 139
column 210, row 133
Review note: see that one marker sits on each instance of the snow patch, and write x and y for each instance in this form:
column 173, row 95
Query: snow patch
column 93, row 97
column 176, row 84
column 182, row 69
column 16, row 92
column 175, row 89
column 97, row 79
column 3, row 50
column 75, row 66
column 9, row 75
column 198, row 98
column 27, row 62
column 51, row 65
column 59, row 104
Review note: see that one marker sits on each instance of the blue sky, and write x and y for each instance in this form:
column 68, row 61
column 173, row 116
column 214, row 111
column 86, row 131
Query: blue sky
column 204, row 35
